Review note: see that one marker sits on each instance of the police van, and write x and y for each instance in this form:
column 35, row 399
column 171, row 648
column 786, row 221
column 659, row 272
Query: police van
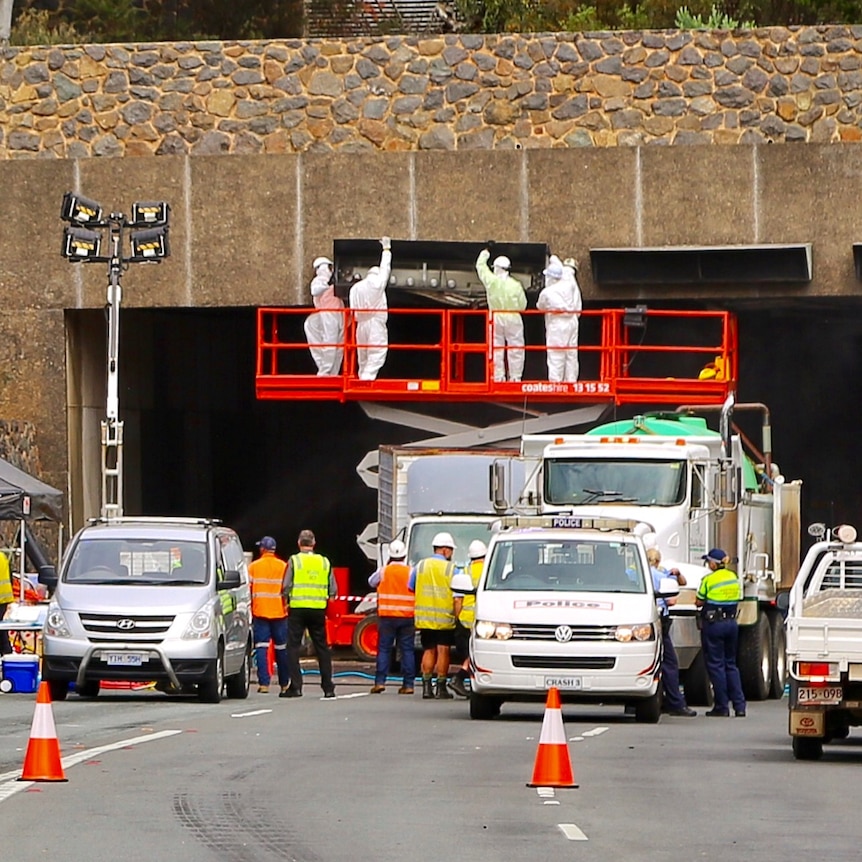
column 567, row 603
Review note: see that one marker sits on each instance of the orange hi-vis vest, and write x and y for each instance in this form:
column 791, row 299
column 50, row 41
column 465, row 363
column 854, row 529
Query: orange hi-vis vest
column 393, row 597
column 267, row 578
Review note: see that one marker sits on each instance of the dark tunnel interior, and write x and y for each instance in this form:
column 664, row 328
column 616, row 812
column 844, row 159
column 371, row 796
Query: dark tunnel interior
column 208, row 447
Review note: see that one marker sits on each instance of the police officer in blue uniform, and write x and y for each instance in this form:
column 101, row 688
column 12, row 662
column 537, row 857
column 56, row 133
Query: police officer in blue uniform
column 717, row 597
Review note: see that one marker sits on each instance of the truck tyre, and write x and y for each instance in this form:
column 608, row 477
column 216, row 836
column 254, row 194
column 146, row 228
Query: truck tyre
column 754, row 658
column 88, row 689
column 365, row 638
column 58, row 688
column 698, row 688
column 483, row 707
column 210, row 689
column 237, row 686
column 648, row 710
column 807, row 748
column 779, row 657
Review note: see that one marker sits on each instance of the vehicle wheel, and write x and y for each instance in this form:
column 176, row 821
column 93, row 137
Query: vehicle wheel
column 807, row 748
column 365, row 638
column 754, row 658
column 237, row 686
column 484, row 708
column 648, row 710
column 698, row 688
column 779, row 657
column 58, row 688
column 210, row 689
column 88, row 689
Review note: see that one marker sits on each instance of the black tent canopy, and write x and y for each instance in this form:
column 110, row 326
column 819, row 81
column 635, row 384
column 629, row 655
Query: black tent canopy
column 24, row 497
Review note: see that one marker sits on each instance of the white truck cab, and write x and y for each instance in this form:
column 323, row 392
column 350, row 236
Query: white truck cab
column 568, row 603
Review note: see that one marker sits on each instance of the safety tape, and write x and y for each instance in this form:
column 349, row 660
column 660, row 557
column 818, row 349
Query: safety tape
column 348, row 598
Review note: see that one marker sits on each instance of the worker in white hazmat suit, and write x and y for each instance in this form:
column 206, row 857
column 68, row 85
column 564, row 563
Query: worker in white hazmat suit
column 368, row 301
column 325, row 328
column 506, row 299
column 560, row 299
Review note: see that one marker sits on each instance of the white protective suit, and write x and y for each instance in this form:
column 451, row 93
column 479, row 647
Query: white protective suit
column 372, row 336
column 325, row 328
column 561, row 301
column 504, row 294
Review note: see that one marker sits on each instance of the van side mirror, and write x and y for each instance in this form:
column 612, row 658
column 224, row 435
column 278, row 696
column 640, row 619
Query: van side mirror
column 48, row 576
column 497, row 489
column 229, row 581
column 668, row 588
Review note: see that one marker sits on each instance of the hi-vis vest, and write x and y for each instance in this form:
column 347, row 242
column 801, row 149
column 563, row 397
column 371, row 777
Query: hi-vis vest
column 468, row 605
column 310, row 581
column 434, row 601
column 393, row 597
column 6, row 594
column 267, row 578
column 720, row 587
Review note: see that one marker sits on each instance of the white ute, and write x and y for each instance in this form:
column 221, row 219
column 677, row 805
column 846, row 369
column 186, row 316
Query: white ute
column 567, row 603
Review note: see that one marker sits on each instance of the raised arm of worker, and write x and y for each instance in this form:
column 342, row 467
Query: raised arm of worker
column 503, row 292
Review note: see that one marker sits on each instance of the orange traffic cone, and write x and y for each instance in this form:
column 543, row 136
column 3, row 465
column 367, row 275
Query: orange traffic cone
column 553, row 767
column 42, row 761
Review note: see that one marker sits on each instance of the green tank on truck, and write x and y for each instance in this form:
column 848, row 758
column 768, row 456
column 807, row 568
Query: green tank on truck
column 699, row 488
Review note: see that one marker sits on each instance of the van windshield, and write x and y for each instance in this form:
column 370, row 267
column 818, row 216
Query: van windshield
column 569, row 565
column 137, row 561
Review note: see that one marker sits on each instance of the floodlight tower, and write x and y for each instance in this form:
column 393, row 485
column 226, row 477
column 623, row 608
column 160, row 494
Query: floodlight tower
column 82, row 243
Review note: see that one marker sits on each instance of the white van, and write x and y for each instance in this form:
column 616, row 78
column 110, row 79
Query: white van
column 164, row 600
column 567, row 603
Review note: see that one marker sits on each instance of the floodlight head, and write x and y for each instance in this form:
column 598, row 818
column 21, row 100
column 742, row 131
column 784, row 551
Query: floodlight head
column 636, row 317
column 151, row 214
column 80, row 244
column 80, row 210
column 150, row 245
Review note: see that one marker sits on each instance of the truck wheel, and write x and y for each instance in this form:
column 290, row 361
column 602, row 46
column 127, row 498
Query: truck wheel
column 698, row 688
column 58, row 688
column 779, row 657
column 237, row 686
column 210, row 689
column 365, row 638
column 484, row 708
column 807, row 748
column 648, row 710
column 88, row 689
column 754, row 658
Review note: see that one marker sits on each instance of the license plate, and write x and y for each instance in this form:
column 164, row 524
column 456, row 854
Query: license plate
column 124, row 659
column 828, row 695
column 569, row 683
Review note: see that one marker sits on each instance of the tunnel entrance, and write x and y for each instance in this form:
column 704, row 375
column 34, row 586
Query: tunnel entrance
column 197, row 442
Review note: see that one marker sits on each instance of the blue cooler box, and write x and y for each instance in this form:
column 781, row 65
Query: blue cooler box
column 22, row 670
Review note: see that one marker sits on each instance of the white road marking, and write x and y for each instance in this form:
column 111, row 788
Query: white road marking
column 572, row 832
column 596, row 731
column 546, row 791
column 9, row 783
column 576, row 739
column 551, row 802
column 347, row 696
column 250, row 714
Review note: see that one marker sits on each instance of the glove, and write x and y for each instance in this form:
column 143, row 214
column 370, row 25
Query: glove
column 386, row 243
column 490, row 244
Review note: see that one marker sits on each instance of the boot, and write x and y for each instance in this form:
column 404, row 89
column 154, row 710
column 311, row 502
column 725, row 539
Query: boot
column 443, row 692
column 427, row 688
column 457, row 684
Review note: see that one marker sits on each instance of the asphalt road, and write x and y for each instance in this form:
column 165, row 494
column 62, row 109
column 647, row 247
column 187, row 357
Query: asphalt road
column 389, row 777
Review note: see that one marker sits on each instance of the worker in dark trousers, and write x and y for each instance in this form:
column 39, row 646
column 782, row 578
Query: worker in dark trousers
column 717, row 597
column 308, row 585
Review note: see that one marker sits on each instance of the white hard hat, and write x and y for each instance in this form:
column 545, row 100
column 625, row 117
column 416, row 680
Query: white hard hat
column 319, row 261
column 461, row 583
column 477, row 549
column 397, row 550
column 443, row 540
column 502, row 262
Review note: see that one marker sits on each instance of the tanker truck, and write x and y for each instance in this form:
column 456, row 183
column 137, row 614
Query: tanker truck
column 699, row 489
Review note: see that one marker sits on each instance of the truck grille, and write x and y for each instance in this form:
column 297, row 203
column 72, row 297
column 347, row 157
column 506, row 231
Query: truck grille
column 123, row 627
column 522, row 631
column 565, row 662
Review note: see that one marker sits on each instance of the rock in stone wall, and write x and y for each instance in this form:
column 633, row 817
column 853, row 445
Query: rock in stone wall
column 447, row 93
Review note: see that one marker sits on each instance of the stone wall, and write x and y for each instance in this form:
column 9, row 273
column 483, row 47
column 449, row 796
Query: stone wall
column 446, row 93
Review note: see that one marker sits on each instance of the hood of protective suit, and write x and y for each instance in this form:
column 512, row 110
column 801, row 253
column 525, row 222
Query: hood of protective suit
column 324, row 270
column 554, row 269
column 374, row 270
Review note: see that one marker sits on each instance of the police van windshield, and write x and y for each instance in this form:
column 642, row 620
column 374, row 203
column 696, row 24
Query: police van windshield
column 570, row 566
column 133, row 562
column 645, row 483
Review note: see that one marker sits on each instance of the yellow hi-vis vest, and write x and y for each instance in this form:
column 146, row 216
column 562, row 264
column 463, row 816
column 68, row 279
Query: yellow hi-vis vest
column 468, row 604
column 720, row 587
column 6, row 594
column 310, row 587
column 434, row 600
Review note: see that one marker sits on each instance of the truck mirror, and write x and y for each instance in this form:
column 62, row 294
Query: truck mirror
column 497, row 492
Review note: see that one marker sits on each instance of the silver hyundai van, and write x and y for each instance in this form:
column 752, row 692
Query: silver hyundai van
column 164, row 600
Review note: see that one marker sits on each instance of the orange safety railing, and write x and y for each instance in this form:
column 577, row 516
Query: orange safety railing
column 446, row 355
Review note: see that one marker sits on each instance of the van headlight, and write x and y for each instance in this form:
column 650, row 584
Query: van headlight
column 486, row 630
column 200, row 625
column 55, row 623
column 645, row 632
